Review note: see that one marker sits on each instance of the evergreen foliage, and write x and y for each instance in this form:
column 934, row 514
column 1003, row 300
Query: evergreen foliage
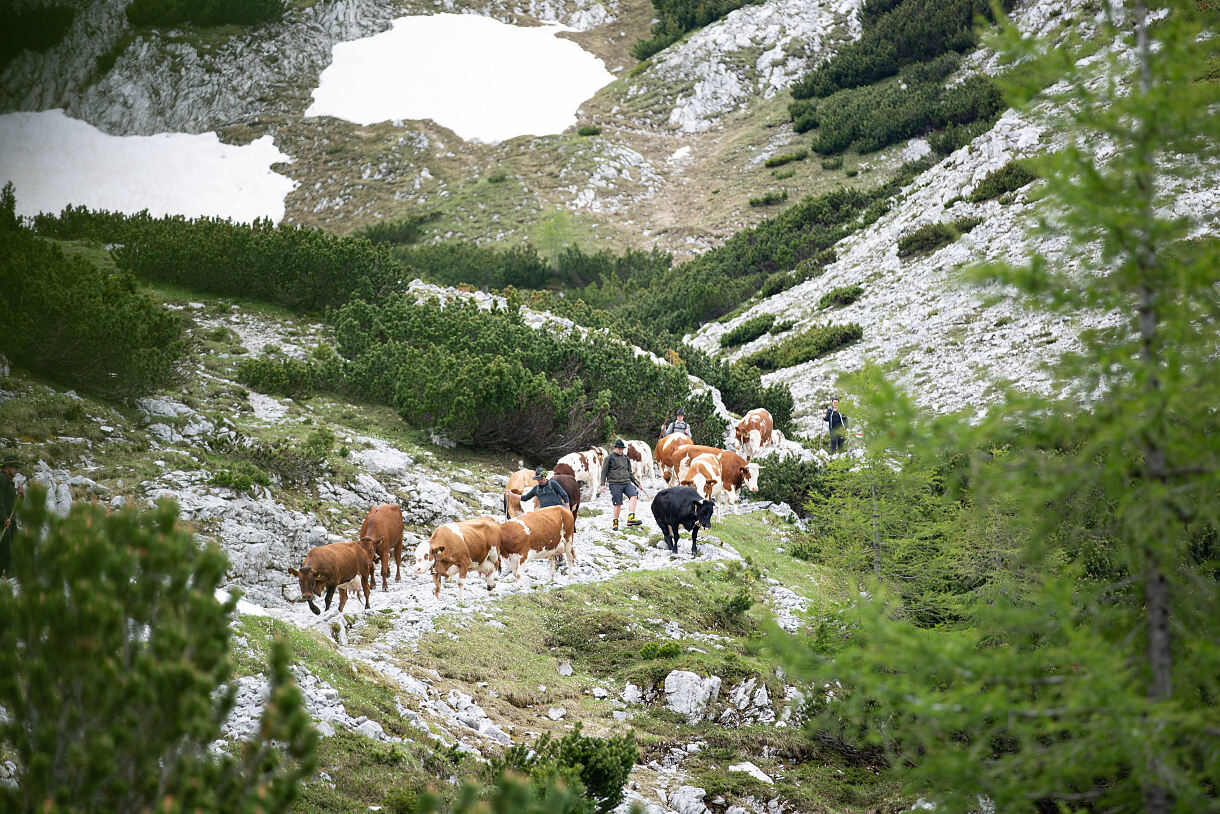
column 895, row 35
column 402, row 231
column 769, row 198
column 927, row 238
column 676, row 17
column 790, row 481
column 1008, row 178
column 786, row 158
column 33, row 28
column 115, row 684
column 747, row 331
column 806, row 346
column 838, row 297
column 600, row 765
column 487, row 378
column 72, row 322
column 9, row 219
column 169, row 13
column 1087, row 676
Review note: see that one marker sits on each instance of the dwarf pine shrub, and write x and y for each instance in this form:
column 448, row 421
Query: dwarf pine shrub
column 747, row 331
column 169, row 13
column 838, row 297
column 1008, row 178
column 925, row 239
column 786, row 158
column 804, row 347
column 769, row 198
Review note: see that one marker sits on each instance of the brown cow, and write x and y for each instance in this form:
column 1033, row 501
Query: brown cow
column 703, row 475
column 640, row 455
column 457, row 547
column 680, row 458
column 544, row 534
column 665, row 450
column 753, row 432
column 332, row 567
column 383, row 528
column 585, row 466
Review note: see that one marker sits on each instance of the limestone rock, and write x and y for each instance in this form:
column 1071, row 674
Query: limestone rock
column 688, row 694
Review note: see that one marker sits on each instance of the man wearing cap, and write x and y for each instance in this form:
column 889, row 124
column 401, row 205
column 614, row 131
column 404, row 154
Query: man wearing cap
column 548, row 492
column 8, row 503
column 678, row 425
column 616, row 473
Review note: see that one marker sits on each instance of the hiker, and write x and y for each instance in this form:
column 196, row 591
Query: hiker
column 548, row 492
column 838, row 426
column 616, row 473
column 678, row 425
column 8, row 505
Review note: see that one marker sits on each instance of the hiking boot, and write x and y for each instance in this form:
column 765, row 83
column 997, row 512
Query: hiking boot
column 614, row 525
column 633, row 521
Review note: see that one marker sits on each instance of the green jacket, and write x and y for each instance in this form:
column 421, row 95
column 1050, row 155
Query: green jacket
column 8, row 496
column 617, row 469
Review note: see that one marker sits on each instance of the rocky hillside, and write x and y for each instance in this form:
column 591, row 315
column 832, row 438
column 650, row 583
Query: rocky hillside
column 433, row 683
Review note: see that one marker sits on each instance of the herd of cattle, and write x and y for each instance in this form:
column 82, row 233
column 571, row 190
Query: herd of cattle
column 699, row 480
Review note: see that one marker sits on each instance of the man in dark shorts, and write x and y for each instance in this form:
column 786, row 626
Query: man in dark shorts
column 616, row 473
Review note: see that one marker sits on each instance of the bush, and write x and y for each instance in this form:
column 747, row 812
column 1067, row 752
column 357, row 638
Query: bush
column 33, row 28
column 790, row 481
column 956, row 136
column 894, row 35
column 497, row 177
column 676, row 17
column 782, row 174
column 804, row 114
column 1009, row 178
column 170, row 13
column 869, row 118
column 811, row 344
column 925, row 239
column 747, row 331
column 769, row 198
column 964, row 225
column 589, row 130
column 600, row 764
column 118, row 673
column 838, row 297
column 786, row 158
column 402, row 231
column 240, row 478
column 783, row 327
column 80, row 326
column 661, row 650
column 835, row 163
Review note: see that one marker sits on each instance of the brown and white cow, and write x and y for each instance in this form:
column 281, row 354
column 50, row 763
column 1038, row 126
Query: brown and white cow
column 585, row 466
column 680, row 458
column 665, row 450
column 544, row 534
column 736, row 472
column 753, row 432
column 456, row 548
column 518, row 484
column 703, row 475
column 383, row 528
column 512, row 501
column 335, row 567
column 640, row 455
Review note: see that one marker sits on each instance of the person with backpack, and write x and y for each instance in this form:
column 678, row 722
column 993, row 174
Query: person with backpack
column 548, row 492
column 616, row 473
column 677, row 425
column 838, row 426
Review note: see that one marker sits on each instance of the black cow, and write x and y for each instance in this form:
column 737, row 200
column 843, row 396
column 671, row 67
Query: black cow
column 682, row 506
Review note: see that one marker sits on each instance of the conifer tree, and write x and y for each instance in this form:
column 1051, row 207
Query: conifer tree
column 116, row 667
column 1095, row 684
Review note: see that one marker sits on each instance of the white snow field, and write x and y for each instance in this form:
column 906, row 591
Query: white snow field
column 54, row 160
column 483, row 79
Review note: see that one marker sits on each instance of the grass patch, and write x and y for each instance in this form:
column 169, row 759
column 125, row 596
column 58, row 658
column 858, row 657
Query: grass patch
column 589, row 130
